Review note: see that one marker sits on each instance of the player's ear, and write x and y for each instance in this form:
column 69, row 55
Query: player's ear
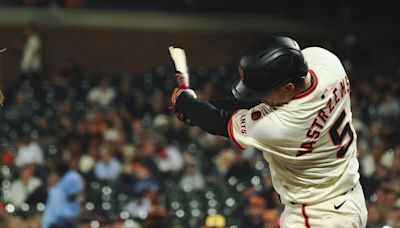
column 288, row 88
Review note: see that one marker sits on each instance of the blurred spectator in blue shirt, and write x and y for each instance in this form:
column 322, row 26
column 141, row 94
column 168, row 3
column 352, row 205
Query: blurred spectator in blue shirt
column 62, row 206
column 144, row 180
column 108, row 167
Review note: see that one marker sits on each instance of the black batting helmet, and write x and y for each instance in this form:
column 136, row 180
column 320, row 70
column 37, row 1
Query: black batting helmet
column 268, row 65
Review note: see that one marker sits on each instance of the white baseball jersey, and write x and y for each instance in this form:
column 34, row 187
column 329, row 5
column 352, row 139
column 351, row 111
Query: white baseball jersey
column 309, row 143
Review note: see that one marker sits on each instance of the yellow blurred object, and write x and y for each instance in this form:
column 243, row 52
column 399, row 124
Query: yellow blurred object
column 215, row 221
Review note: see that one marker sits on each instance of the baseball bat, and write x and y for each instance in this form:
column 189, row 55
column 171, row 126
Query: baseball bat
column 178, row 56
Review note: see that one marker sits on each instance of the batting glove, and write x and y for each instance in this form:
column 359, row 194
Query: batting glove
column 174, row 97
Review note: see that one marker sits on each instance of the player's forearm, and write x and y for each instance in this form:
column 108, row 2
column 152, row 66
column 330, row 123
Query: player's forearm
column 204, row 115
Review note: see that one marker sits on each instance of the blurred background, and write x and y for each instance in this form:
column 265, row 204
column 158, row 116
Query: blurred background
column 87, row 84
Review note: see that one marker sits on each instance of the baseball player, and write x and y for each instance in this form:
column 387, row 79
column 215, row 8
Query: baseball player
column 294, row 106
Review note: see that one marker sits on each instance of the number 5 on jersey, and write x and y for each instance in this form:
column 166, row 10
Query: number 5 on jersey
column 338, row 137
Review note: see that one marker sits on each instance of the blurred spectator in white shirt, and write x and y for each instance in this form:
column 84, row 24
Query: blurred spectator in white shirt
column 192, row 178
column 31, row 62
column 108, row 167
column 169, row 158
column 389, row 107
column 21, row 188
column 103, row 94
column 29, row 152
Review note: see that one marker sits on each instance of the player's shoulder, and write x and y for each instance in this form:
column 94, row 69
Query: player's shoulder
column 322, row 60
column 319, row 53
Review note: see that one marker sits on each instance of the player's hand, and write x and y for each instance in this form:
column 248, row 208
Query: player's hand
column 174, row 97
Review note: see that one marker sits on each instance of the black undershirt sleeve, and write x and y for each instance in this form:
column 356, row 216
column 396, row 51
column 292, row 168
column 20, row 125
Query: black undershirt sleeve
column 212, row 116
column 203, row 114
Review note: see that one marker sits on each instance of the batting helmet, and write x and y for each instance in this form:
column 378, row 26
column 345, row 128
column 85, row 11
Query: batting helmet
column 268, row 65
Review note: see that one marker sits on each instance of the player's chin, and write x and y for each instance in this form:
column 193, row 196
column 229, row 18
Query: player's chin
column 271, row 102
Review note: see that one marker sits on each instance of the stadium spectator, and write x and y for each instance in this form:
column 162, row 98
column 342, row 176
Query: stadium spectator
column 111, row 132
column 24, row 186
column 40, row 194
column 224, row 161
column 29, row 152
column 158, row 103
column 136, row 131
column 31, row 62
column 375, row 218
column 389, row 107
column 140, row 106
column 108, row 167
column 62, row 205
column 20, row 110
column 168, row 158
column 125, row 99
column 394, row 217
column 128, row 154
column 254, row 213
column 83, row 134
column 240, row 169
column 192, row 178
column 103, row 94
column 144, row 180
column 148, row 209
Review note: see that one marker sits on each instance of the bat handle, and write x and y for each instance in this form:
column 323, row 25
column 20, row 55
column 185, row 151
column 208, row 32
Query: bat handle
column 182, row 81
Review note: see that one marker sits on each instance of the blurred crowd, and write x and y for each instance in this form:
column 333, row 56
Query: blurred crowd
column 106, row 152
column 139, row 165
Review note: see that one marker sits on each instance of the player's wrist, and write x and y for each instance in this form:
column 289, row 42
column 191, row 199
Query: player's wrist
column 178, row 92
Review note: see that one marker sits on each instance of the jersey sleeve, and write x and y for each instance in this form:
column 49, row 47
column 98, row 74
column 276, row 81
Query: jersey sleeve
column 241, row 125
